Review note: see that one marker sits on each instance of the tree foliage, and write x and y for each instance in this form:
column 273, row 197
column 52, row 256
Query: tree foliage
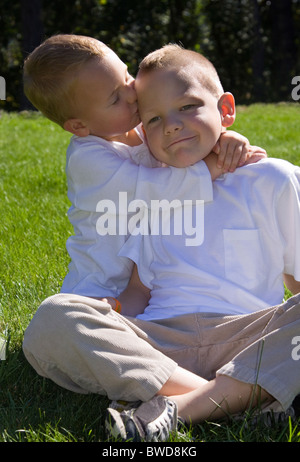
column 253, row 43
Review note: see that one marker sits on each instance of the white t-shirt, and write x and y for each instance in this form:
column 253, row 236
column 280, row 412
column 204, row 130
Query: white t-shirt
column 251, row 237
column 104, row 178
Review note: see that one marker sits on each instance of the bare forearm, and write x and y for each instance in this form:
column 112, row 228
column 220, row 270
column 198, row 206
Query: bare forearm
column 291, row 283
column 134, row 298
column 211, row 162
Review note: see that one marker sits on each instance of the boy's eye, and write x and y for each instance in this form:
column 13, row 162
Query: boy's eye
column 115, row 100
column 154, row 119
column 186, row 107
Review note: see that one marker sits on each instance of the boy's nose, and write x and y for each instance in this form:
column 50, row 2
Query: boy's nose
column 172, row 124
column 131, row 93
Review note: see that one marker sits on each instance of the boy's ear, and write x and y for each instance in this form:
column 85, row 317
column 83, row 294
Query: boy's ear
column 77, row 127
column 226, row 105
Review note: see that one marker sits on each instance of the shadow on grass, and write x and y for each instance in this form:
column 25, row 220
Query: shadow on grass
column 33, row 408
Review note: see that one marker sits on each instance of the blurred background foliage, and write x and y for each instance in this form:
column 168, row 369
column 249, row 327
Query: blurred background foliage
column 255, row 44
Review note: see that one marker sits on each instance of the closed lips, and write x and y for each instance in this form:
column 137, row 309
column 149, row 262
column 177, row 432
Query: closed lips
column 180, row 140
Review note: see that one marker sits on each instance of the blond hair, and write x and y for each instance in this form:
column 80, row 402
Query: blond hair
column 175, row 56
column 51, row 70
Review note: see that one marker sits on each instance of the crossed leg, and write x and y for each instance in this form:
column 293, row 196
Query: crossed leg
column 198, row 399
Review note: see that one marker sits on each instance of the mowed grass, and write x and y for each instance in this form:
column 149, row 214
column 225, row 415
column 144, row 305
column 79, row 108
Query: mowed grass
column 33, row 232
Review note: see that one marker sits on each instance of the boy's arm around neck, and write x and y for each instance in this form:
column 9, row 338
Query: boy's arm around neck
column 211, row 162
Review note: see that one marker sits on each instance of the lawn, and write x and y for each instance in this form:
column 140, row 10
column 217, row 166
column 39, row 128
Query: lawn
column 33, row 231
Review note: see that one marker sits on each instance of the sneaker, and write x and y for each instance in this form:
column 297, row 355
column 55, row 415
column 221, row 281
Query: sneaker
column 124, row 405
column 296, row 406
column 268, row 418
column 149, row 421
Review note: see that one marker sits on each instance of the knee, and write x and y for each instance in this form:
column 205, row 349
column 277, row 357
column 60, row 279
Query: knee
column 45, row 322
column 57, row 316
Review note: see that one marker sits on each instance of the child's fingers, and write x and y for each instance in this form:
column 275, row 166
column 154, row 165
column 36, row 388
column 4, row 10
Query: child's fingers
column 223, row 154
column 230, row 158
column 257, row 151
column 232, row 148
column 238, row 156
column 216, row 148
column 243, row 156
column 110, row 300
column 254, row 156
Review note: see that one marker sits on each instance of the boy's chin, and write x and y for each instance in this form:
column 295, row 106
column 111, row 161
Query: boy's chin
column 184, row 163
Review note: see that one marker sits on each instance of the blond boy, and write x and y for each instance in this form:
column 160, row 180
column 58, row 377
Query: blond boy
column 216, row 297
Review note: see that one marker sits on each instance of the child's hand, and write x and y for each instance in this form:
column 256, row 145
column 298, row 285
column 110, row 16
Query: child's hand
column 255, row 154
column 232, row 149
column 113, row 302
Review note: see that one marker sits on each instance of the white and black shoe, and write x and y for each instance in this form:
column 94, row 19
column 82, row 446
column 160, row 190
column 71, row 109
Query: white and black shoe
column 152, row 420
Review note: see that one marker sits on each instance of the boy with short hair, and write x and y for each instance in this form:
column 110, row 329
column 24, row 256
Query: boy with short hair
column 216, row 297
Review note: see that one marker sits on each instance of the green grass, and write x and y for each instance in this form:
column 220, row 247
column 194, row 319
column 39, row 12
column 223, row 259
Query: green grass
column 33, row 231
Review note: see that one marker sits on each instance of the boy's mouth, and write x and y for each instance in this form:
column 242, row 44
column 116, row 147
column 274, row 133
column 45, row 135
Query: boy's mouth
column 136, row 113
column 181, row 140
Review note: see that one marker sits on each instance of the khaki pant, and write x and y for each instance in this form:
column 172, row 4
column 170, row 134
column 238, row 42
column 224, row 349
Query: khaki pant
column 84, row 346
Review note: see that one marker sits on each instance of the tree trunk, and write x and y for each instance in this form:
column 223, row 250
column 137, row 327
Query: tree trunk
column 33, row 34
column 258, row 56
column 284, row 49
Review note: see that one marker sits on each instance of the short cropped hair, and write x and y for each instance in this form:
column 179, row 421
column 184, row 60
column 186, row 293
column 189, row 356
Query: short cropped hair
column 175, row 56
column 51, row 70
